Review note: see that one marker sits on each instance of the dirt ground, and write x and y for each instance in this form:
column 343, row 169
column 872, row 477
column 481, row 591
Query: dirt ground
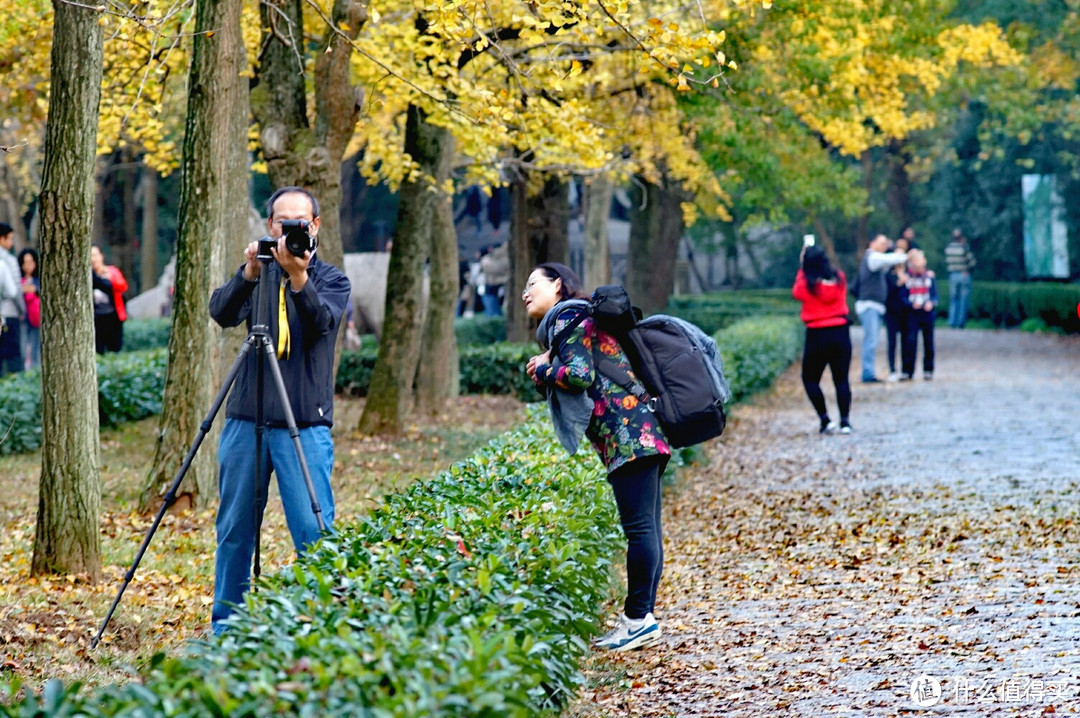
column 926, row 563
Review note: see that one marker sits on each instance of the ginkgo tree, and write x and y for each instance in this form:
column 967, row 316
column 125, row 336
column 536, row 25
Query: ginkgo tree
column 821, row 86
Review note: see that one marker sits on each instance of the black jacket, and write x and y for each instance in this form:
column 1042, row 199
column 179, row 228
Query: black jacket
column 315, row 314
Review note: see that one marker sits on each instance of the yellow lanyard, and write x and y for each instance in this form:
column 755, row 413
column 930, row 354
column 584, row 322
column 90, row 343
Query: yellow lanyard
column 284, row 339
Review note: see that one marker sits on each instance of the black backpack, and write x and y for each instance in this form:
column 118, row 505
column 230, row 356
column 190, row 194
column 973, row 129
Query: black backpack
column 679, row 373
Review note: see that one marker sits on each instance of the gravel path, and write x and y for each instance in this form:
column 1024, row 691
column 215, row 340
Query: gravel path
column 811, row 575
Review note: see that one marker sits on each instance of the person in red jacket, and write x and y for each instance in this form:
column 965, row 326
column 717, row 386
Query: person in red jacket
column 822, row 289
column 109, row 312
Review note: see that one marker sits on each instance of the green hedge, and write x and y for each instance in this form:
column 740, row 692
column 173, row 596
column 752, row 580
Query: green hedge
column 473, row 593
column 1010, row 304
column 493, row 369
column 140, row 334
column 130, row 387
column 757, row 350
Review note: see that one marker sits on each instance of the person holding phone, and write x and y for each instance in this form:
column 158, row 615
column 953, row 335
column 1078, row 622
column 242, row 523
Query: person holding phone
column 822, row 290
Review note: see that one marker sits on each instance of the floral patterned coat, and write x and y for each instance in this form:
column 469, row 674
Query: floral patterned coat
column 622, row 428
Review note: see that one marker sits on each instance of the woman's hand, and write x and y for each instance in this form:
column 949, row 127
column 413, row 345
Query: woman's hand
column 530, row 367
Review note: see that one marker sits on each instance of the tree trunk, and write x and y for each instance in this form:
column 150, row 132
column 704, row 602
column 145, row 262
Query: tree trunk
column 898, row 192
column 148, row 245
column 598, row 194
column 521, row 263
column 68, row 536
column 296, row 153
column 437, row 375
column 862, row 226
column 213, row 184
column 656, row 226
column 124, row 252
column 391, row 389
column 549, row 222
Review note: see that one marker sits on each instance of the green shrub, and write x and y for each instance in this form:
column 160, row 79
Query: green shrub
column 492, row 369
column 130, row 387
column 473, row 593
column 713, row 312
column 1008, row 304
column 480, row 330
column 140, row 334
column 756, row 351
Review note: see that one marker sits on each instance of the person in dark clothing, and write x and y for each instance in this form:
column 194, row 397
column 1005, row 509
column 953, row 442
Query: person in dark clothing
column 307, row 303
column 822, row 290
column 894, row 305
column 109, row 286
column 623, row 431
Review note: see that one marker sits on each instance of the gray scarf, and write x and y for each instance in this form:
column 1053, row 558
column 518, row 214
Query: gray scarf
column 571, row 411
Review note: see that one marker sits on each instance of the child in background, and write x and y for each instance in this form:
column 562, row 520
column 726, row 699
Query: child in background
column 920, row 296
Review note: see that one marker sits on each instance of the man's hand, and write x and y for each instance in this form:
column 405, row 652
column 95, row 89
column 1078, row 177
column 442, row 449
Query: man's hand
column 295, row 267
column 253, row 266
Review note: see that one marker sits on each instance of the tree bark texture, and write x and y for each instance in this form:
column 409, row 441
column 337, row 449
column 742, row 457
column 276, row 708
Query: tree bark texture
column 656, row 226
column 521, row 264
column 297, row 153
column 539, row 232
column 148, row 247
column 598, row 194
column 213, row 184
column 437, row 374
column 391, row 389
column 68, row 536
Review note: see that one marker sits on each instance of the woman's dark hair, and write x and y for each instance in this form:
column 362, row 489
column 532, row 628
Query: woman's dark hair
column 37, row 261
column 816, row 267
column 571, row 283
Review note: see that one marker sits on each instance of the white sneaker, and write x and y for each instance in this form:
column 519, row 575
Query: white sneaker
column 630, row 634
column 893, row 377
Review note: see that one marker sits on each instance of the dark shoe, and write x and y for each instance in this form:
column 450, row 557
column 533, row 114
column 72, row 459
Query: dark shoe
column 928, row 375
column 871, row 380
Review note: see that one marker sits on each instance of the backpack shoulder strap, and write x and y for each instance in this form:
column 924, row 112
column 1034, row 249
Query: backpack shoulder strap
column 583, row 310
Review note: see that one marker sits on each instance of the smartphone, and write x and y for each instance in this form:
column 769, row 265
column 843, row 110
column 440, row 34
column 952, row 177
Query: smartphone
column 808, row 240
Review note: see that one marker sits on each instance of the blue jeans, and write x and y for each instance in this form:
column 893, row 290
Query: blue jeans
column 871, row 321
column 31, row 342
column 237, row 514
column 492, row 306
column 959, row 296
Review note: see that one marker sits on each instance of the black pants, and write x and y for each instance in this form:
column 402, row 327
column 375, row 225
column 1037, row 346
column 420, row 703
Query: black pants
column 894, row 332
column 10, row 359
column 108, row 333
column 827, row 347
column 919, row 322
column 637, row 490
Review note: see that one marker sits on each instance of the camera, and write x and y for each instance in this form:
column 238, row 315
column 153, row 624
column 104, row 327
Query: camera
column 297, row 240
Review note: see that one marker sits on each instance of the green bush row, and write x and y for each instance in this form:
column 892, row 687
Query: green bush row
column 1011, row 304
column 473, row 593
column 140, row 334
column 130, row 387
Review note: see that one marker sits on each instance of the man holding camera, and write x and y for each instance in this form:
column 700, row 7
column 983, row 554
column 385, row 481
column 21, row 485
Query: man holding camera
column 306, row 306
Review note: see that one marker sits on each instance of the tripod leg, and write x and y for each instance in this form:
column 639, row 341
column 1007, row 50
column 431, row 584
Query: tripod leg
column 294, row 432
column 170, row 495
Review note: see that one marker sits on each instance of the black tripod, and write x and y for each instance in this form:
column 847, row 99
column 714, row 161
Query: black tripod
column 258, row 338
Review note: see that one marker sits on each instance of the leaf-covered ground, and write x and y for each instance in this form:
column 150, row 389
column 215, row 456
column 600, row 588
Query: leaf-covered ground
column 810, row 575
column 46, row 624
